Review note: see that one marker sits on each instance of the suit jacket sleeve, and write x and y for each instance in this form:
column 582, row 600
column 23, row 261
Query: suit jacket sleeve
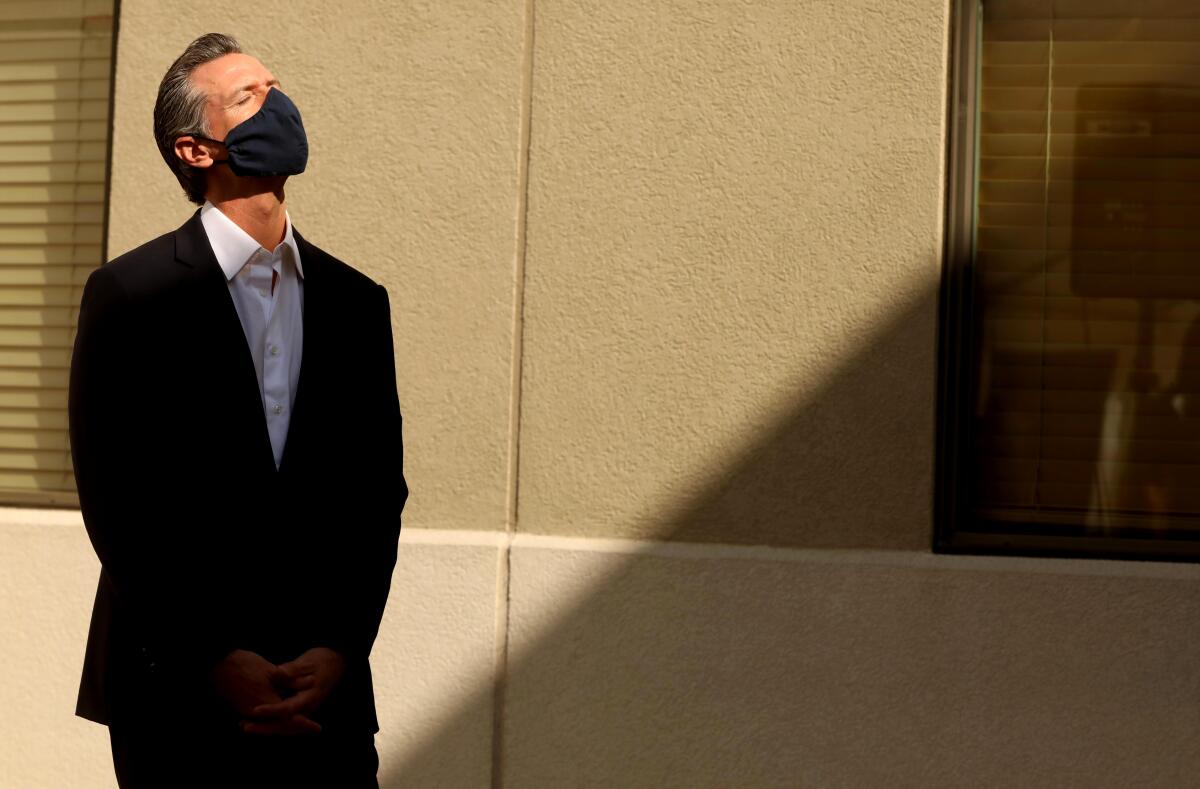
column 365, row 552
column 121, row 478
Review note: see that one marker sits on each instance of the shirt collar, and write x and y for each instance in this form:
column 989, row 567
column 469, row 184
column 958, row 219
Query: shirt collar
column 234, row 246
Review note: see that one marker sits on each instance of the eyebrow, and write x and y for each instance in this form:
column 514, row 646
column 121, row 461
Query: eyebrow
column 244, row 88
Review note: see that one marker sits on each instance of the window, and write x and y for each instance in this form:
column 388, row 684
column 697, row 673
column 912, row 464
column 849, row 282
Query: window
column 1069, row 395
column 55, row 77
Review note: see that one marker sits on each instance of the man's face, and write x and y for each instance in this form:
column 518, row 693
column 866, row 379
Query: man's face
column 236, row 87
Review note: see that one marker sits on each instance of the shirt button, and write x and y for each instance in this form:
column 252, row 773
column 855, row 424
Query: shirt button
column 278, row 408
column 274, row 350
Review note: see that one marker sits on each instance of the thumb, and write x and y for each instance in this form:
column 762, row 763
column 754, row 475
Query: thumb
column 294, row 674
column 288, row 670
column 281, row 675
column 305, row 682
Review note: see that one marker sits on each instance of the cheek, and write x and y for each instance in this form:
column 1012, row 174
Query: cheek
column 251, row 107
column 238, row 113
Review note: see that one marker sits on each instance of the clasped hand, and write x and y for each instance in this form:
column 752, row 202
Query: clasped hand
column 277, row 699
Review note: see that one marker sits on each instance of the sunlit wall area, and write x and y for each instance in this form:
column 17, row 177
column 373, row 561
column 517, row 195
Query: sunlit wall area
column 664, row 280
column 733, row 209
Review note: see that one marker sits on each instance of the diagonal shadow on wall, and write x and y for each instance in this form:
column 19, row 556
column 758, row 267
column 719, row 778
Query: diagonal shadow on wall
column 850, row 467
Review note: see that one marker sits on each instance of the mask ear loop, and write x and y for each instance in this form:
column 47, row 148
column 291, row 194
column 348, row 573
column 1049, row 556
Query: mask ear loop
column 202, row 138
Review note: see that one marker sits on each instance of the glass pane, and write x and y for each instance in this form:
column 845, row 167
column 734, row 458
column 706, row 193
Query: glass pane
column 1087, row 259
column 55, row 78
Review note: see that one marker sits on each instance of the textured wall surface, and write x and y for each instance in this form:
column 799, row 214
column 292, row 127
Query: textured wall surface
column 434, row 654
column 433, row 664
column 411, row 110
column 696, row 665
column 733, row 238
column 48, row 578
column 811, row 668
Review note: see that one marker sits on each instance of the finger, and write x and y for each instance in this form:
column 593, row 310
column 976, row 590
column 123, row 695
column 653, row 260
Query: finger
column 303, row 683
column 292, row 724
column 294, row 669
column 278, row 675
column 291, row 706
column 297, row 682
column 281, row 681
column 296, row 724
column 254, row 727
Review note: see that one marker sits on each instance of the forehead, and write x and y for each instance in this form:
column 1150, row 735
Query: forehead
column 228, row 74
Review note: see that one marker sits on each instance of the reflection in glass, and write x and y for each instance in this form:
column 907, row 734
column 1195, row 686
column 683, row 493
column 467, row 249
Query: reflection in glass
column 1087, row 255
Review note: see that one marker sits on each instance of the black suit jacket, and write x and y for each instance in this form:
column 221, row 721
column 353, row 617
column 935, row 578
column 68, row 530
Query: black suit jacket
column 205, row 546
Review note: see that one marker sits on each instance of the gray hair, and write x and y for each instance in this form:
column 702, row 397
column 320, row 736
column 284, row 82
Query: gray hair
column 179, row 109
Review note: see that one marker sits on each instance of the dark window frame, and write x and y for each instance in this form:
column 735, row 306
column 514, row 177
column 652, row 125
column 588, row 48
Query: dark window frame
column 956, row 528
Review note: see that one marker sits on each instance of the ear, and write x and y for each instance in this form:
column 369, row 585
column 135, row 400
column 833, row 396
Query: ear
column 193, row 151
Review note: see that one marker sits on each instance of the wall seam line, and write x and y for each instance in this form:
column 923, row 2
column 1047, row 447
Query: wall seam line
column 504, row 554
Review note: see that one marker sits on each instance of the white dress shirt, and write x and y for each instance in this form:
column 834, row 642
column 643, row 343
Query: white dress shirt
column 267, row 288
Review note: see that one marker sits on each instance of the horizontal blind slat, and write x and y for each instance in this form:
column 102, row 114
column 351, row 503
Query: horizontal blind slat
column 53, row 153
column 54, row 111
column 63, row 131
column 52, row 214
column 72, row 233
column 21, row 10
column 25, row 174
column 1000, row 10
column 51, row 255
column 27, row 194
column 66, row 90
column 76, row 47
column 51, row 71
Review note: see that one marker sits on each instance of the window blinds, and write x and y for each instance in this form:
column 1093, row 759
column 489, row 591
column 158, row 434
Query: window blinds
column 1087, row 264
column 55, row 74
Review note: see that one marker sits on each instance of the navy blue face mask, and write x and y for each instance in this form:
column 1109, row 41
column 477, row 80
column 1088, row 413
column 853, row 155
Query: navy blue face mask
column 269, row 142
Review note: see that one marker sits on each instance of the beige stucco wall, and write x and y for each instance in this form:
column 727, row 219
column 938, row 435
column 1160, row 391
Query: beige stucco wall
column 696, row 665
column 434, row 653
column 700, row 667
column 733, row 238
column 733, row 230
column 711, row 263
column 48, row 578
column 412, row 112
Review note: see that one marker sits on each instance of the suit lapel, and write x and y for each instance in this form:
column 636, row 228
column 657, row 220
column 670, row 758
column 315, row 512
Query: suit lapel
column 311, row 353
column 192, row 250
column 220, row 322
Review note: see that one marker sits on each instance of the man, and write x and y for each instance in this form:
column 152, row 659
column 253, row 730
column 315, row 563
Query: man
column 236, row 438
